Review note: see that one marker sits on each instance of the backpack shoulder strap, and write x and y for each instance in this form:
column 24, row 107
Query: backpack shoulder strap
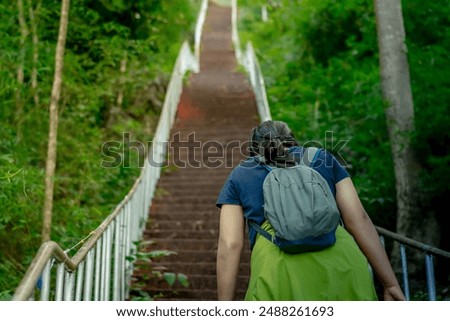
column 310, row 155
column 261, row 231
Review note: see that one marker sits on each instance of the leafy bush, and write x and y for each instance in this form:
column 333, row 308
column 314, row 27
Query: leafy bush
column 101, row 34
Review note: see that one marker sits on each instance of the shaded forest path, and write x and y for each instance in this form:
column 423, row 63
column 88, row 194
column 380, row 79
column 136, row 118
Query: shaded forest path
column 216, row 112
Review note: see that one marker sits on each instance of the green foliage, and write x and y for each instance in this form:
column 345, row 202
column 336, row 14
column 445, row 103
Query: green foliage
column 6, row 295
column 428, row 44
column 101, row 35
column 320, row 63
column 153, row 273
column 171, row 278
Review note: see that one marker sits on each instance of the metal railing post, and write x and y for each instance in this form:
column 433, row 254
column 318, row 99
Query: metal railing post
column 69, row 284
column 107, row 275
column 59, row 283
column 87, row 293
column 123, row 287
column 404, row 271
column 98, row 264
column 431, row 285
column 80, row 279
column 45, row 281
column 117, row 254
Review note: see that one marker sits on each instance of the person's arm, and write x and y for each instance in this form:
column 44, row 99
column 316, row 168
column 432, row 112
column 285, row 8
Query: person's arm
column 359, row 224
column 231, row 243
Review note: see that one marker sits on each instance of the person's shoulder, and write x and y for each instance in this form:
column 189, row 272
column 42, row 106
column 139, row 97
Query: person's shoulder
column 244, row 166
column 247, row 163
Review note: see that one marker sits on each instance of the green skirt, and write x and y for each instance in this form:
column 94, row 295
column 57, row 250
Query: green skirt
column 340, row 272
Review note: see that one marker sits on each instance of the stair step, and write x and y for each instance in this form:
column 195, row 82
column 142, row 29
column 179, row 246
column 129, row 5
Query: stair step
column 200, row 198
column 185, row 267
column 203, row 179
column 189, row 188
column 177, row 245
column 186, row 295
column 199, row 171
column 204, row 206
column 188, row 223
column 196, row 282
column 191, row 220
column 197, row 256
column 181, row 234
column 186, row 210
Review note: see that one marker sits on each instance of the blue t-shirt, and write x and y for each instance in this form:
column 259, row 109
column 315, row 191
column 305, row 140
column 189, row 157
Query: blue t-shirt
column 244, row 185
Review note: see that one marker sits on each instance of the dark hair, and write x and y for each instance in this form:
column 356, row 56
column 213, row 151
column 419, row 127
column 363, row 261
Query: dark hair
column 271, row 141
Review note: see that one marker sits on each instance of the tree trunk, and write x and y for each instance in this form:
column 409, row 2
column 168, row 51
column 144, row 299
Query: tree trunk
column 116, row 109
column 396, row 89
column 53, row 126
column 20, row 68
column 34, row 34
column 123, row 69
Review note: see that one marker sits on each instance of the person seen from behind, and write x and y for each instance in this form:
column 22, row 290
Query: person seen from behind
column 338, row 272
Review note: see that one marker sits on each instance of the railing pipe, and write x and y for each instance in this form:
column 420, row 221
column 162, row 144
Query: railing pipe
column 98, row 261
column 382, row 240
column 413, row 243
column 431, row 286
column 109, row 233
column 45, row 281
column 250, row 62
column 199, row 27
column 69, row 281
column 103, row 266
column 235, row 33
column 405, row 272
column 129, row 245
column 429, row 252
column 117, row 255
column 87, row 295
column 59, row 283
column 80, row 281
column 257, row 81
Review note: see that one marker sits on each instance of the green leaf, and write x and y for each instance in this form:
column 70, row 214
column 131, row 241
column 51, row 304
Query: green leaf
column 183, row 279
column 170, row 278
column 161, row 253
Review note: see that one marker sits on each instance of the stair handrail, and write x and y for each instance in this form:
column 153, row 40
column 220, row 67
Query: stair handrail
column 429, row 253
column 199, row 27
column 249, row 61
column 100, row 269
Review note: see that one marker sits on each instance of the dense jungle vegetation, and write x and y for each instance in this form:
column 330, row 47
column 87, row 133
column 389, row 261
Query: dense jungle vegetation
column 118, row 59
column 321, row 70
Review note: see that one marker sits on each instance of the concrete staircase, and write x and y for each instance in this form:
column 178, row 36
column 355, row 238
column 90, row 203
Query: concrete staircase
column 215, row 115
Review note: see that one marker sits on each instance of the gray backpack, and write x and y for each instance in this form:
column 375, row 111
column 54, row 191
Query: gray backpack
column 300, row 206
